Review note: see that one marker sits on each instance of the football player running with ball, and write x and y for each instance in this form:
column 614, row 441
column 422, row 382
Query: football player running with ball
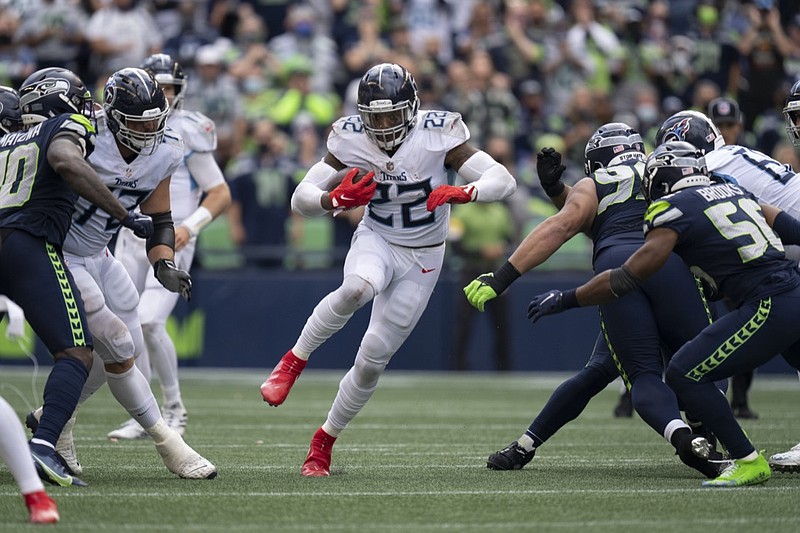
column 397, row 249
column 197, row 175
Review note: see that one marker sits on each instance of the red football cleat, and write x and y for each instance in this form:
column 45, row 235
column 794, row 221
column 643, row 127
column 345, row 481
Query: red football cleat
column 41, row 508
column 280, row 381
column 318, row 460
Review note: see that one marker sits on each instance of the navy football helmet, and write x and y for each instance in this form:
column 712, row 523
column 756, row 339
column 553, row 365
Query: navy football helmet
column 693, row 127
column 136, row 109
column 791, row 112
column 609, row 141
column 10, row 113
column 388, row 104
column 167, row 71
column 53, row 91
column 673, row 166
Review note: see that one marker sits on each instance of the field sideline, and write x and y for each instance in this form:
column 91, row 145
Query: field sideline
column 412, row 461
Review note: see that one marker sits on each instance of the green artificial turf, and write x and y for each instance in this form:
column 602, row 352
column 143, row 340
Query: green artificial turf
column 414, row 460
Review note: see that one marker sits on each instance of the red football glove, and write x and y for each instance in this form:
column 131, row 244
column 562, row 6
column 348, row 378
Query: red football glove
column 451, row 194
column 348, row 194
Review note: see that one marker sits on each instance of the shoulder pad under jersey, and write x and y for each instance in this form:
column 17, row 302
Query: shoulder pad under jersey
column 443, row 130
column 199, row 132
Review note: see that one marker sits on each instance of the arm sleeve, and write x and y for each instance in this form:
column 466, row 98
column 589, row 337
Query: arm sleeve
column 204, row 170
column 491, row 179
column 787, row 228
column 306, row 200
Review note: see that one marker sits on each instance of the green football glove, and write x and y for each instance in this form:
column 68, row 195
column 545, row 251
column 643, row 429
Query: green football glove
column 480, row 290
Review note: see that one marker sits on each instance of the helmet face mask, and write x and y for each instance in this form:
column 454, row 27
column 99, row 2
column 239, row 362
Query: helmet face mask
column 608, row 142
column 167, row 72
column 53, row 91
column 136, row 110
column 673, row 166
column 791, row 112
column 10, row 112
column 692, row 127
column 388, row 105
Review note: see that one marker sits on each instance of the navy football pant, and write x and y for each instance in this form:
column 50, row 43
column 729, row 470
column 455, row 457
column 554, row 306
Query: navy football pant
column 33, row 275
column 739, row 341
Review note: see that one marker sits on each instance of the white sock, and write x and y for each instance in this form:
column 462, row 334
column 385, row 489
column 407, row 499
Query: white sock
column 133, row 393
column 15, row 451
column 673, row 426
column 143, row 363
column 349, row 401
column 526, row 442
column 328, row 428
column 96, row 379
column 752, row 456
column 164, row 359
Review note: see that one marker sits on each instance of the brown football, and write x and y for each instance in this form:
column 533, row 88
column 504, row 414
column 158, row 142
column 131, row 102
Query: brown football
column 339, row 176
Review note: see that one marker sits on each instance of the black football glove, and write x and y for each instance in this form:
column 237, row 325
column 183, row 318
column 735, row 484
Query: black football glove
column 550, row 169
column 548, row 303
column 173, row 278
column 141, row 225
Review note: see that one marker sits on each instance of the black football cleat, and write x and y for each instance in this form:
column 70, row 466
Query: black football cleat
column 512, row 457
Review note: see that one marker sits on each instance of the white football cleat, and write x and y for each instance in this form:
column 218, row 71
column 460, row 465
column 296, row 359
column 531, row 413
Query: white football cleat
column 65, row 446
column 182, row 460
column 128, row 430
column 788, row 461
column 175, row 416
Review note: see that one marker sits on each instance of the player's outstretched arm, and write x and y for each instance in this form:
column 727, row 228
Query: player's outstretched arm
column 541, row 243
column 610, row 284
column 65, row 155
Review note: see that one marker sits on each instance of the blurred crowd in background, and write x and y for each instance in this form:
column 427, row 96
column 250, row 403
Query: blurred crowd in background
column 524, row 74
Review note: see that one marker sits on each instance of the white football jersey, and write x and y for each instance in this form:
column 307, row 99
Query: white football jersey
column 92, row 228
column 772, row 182
column 398, row 210
column 199, row 135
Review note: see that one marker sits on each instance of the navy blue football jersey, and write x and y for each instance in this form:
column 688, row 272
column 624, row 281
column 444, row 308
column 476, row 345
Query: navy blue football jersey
column 621, row 205
column 724, row 238
column 33, row 197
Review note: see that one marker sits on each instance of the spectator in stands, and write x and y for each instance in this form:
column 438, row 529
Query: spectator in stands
column 260, row 193
column 294, row 99
column 763, row 47
column 214, row 93
column 55, row 32
column 725, row 114
column 120, row 34
column 16, row 62
column 491, row 108
column 254, row 68
column 369, row 47
column 303, row 37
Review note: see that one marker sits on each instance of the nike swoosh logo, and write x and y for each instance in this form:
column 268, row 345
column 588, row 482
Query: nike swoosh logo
column 426, row 270
column 543, row 301
column 345, row 198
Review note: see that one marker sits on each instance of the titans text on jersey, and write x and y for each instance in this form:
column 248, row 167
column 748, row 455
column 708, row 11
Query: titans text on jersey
column 131, row 183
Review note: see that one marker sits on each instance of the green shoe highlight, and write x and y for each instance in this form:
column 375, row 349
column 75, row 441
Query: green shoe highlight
column 741, row 473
